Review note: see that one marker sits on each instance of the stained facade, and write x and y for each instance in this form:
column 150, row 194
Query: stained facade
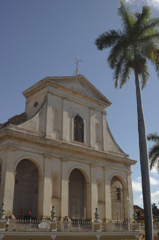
column 61, row 152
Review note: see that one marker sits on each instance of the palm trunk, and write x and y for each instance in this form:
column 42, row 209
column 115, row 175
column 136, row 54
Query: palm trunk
column 144, row 162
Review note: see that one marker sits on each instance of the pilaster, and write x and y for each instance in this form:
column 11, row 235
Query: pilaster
column 129, row 182
column 88, row 190
column 47, row 186
column 64, row 188
column 8, row 199
column 93, row 190
column 40, row 196
column 49, row 118
column 108, row 211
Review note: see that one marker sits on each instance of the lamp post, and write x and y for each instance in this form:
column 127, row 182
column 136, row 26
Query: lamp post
column 128, row 200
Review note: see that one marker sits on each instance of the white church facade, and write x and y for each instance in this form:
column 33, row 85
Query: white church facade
column 60, row 152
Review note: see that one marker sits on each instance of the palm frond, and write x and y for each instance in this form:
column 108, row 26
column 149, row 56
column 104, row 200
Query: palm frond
column 142, row 18
column 133, row 46
column 144, row 75
column 150, row 25
column 127, row 17
column 117, row 51
column 155, row 60
column 126, row 74
column 107, row 39
column 118, row 69
column 153, row 162
column 154, row 150
column 153, row 137
column 152, row 36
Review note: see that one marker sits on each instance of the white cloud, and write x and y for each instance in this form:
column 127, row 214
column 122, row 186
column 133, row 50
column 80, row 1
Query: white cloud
column 136, row 186
column 151, row 3
column 139, row 201
column 139, row 179
column 153, row 181
column 155, row 197
column 154, row 170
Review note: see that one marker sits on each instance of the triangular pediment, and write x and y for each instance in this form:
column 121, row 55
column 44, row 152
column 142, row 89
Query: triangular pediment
column 81, row 85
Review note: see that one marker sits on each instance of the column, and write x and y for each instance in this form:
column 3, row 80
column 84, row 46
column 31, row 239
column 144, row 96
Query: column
column 49, row 117
column 126, row 203
column 64, row 188
column 107, row 195
column 131, row 209
column 40, row 196
column 105, row 133
column 93, row 190
column 47, row 186
column 88, row 191
column 9, row 180
column 66, row 126
column 104, row 194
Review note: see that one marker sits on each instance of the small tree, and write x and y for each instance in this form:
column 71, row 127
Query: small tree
column 155, row 210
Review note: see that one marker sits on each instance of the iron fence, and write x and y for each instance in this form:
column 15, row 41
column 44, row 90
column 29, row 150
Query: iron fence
column 19, row 225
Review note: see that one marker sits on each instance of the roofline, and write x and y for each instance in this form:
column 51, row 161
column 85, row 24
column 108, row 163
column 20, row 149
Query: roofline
column 47, row 81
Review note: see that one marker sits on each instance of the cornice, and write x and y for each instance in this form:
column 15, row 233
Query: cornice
column 61, row 145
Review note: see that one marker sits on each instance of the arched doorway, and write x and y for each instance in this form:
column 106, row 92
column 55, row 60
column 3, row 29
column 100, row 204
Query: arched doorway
column 77, row 195
column 26, row 188
column 117, row 199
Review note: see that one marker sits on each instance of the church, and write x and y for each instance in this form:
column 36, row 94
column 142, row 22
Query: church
column 60, row 152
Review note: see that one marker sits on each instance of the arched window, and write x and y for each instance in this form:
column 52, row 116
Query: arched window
column 78, row 129
column 56, row 186
column 118, row 197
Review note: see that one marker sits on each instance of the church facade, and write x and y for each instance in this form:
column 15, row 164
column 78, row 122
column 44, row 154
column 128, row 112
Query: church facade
column 60, row 152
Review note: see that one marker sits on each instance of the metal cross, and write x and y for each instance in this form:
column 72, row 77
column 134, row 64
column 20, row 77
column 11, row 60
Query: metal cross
column 77, row 62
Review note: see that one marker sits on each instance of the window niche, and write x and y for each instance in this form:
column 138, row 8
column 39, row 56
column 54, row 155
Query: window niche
column 118, row 194
column 100, row 192
column 55, row 186
column 78, row 129
column 57, row 122
column 98, row 133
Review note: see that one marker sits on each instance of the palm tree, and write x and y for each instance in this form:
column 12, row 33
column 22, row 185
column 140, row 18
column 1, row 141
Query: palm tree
column 132, row 48
column 154, row 150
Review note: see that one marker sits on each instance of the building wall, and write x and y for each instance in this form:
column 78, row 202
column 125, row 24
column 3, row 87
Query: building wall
column 54, row 169
column 47, row 140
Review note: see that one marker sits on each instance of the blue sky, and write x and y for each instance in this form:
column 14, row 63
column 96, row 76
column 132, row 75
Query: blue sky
column 39, row 38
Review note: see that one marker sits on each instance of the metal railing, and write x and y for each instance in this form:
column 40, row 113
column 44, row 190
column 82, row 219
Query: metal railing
column 114, row 227
column 76, row 226
column 19, row 225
